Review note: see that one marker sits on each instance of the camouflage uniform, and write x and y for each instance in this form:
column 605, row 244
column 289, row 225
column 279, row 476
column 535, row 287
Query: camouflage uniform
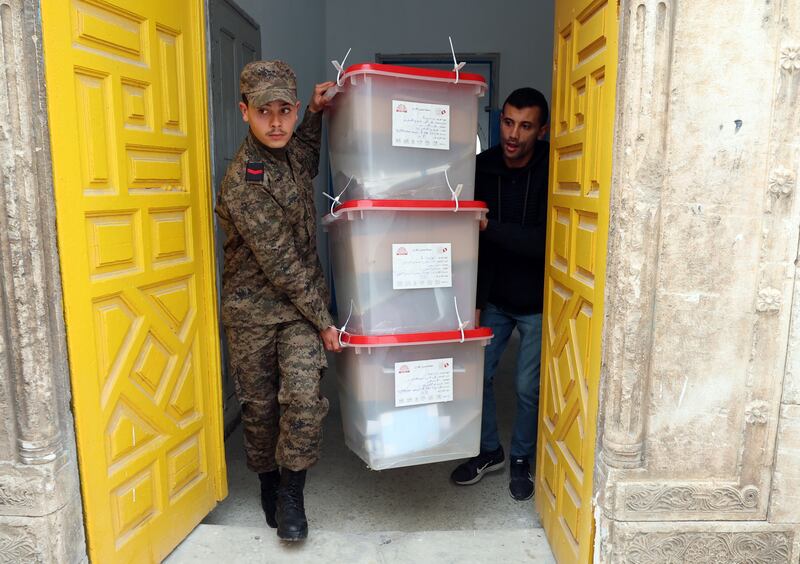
column 274, row 296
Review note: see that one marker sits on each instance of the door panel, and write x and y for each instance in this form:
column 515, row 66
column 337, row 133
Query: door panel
column 127, row 105
column 584, row 78
column 235, row 41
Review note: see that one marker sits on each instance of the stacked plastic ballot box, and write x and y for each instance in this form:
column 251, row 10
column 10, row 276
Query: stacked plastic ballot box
column 403, row 234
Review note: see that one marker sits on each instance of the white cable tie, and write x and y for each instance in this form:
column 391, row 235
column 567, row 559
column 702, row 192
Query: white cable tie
column 340, row 68
column 461, row 325
column 454, row 194
column 336, row 201
column 456, row 65
column 344, row 327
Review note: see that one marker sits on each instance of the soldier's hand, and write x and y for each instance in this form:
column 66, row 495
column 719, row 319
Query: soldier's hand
column 330, row 338
column 318, row 100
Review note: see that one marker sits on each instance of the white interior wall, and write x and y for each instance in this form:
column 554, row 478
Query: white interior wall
column 308, row 34
column 520, row 30
column 293, row 32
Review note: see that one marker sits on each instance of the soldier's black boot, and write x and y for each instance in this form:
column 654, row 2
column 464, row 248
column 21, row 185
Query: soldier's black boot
column 291, row 513
column 269, row 495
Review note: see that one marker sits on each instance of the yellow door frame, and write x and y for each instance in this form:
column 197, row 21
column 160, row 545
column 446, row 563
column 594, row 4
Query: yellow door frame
column 127, row 107
column 583, row 104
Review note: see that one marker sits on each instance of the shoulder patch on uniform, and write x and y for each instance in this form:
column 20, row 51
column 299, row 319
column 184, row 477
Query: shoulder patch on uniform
column 254, row 172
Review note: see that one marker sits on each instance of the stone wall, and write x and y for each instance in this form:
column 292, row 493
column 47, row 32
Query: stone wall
column 699, row 448
column 40, row 507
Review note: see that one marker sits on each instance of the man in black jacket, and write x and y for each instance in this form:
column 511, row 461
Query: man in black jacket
column 512, row 179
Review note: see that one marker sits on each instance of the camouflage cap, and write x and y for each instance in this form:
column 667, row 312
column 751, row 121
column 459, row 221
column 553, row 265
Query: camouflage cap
column 266, row 81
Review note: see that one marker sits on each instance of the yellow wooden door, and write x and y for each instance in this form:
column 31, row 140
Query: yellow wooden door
column 127, row 107
column 584, row 78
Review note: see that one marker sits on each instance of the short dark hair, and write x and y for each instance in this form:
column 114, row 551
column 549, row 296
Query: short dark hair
column 522, row 98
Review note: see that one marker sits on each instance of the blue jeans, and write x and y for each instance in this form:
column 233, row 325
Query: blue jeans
column 502, row 323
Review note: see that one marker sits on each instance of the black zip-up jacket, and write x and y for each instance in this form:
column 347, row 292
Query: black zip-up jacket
column 512, row 247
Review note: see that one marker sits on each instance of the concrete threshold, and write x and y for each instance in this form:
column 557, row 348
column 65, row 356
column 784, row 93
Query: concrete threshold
column 259, row 545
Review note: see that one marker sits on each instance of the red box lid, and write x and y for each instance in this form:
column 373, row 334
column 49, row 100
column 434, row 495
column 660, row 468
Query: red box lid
column 414, row 72
column 406, row 205
column 427, row 205
column 481, row 333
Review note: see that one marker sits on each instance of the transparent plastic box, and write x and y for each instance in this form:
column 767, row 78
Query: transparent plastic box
column 375, row 283
column 371, row 385
column 394, row 131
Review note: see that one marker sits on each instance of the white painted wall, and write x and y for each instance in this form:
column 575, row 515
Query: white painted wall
column 293, row 32
column 520, row 30
column 308, row 34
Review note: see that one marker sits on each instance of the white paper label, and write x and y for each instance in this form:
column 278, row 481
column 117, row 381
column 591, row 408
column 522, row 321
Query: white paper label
column 421, row 265
column 424, row 126
column 423, row 381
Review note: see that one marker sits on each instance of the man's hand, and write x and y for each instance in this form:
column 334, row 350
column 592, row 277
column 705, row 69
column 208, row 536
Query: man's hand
column 477, row 318
column 330, row 338
column 484, row 223
column 318, row 101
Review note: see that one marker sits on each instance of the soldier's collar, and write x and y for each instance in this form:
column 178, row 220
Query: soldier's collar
column 279, row 155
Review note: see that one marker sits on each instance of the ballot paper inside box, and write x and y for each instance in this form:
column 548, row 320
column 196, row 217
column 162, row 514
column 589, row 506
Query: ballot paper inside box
column 404, row 266
column 412, row 399
column 394, row 132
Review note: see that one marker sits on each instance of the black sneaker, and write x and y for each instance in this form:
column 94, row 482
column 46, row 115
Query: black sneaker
column 471, row 471
column 521, row 483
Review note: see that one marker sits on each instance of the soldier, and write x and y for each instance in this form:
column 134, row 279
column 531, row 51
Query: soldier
column 274, row 296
